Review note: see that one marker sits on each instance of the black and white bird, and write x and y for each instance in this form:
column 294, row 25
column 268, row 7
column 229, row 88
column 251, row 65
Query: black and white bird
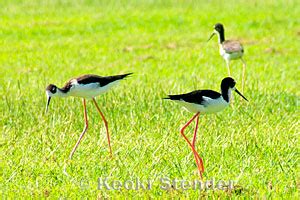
column 204, row 101
column 87, row 87
column 229, row 49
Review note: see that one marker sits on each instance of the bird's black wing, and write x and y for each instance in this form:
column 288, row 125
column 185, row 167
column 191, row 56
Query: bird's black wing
column 195, row 96
column 102, row 80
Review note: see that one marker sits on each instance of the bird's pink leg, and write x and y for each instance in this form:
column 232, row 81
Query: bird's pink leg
column 195, row 131
column 197, row 157
column 106, row 125
column 194, row 141
column 84, row 130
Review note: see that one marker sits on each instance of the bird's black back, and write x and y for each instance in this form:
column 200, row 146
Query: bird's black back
column 195, row 96
column 102, row 80
column 91, row 78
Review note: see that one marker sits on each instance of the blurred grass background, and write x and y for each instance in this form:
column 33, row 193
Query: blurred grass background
column 256, row 144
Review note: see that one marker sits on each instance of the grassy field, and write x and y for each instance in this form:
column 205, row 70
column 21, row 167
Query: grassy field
column 254, row 144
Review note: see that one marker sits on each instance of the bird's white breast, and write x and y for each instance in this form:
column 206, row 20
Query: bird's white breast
column 209, row 105
column 88, row 90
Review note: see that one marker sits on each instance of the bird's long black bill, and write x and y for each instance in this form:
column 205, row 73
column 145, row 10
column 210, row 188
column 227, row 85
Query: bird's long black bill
column 212, row 35
column 48, row 102
column 240, row 94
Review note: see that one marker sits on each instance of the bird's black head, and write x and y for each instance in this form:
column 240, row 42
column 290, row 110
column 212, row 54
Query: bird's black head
column 219, row 28
column 51, row 90
column 227, row 85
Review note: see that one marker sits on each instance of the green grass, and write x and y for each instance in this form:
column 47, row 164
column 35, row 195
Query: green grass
column 256, row 144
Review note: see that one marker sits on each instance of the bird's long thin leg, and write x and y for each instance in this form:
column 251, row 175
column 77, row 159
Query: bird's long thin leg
column 106, row 125
column 195, row 131
column 201, row 170
column 243, row 75
column 229, row 74
column 84, row 130
column 194, row 141
column 228, row 67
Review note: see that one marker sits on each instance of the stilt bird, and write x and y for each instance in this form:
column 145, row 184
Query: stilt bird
column 204, row 101
column 229, row 50
column 87, row 87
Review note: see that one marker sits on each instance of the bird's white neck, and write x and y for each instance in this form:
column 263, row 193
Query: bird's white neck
column 226, row 94
column 229, row 94
column 60, row 93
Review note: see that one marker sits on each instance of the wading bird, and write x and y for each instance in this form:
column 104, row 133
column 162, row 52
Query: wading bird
column 86, row 87
column 204, row 101
column 229, row 50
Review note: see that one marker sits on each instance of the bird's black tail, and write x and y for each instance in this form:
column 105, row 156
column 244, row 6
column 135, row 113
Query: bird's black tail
column 118, row 77
column 173, row 97
column 109, row 79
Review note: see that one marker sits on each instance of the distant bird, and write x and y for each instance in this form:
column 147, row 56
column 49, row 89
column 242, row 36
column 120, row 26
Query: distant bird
column 204, row 101
column 88, row 87
column 229, row 50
